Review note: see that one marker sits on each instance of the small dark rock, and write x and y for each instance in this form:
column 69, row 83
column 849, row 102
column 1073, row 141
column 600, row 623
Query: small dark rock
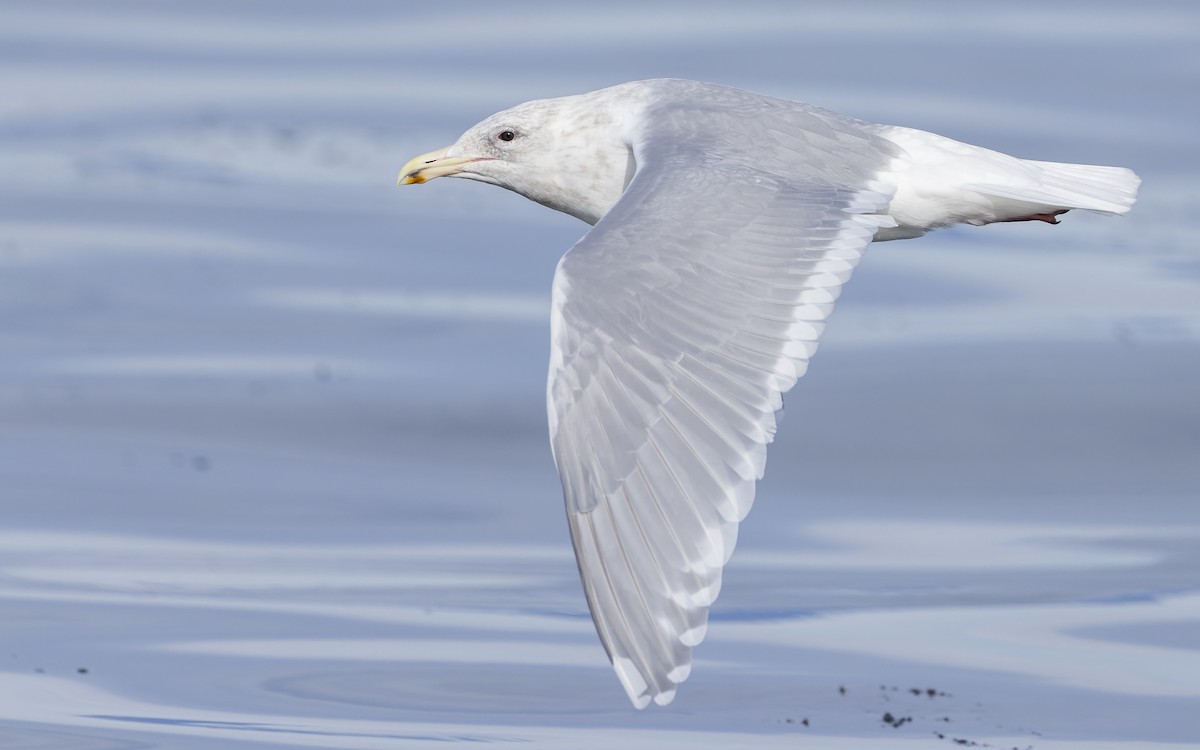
column 895, row 721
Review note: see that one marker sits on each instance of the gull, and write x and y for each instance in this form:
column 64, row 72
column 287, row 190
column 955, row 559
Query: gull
column 724, row 224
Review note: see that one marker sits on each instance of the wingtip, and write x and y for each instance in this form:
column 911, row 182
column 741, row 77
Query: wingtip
column 692, row 638
column 680, row 673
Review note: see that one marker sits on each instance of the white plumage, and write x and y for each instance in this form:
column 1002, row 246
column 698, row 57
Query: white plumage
column 725, row 225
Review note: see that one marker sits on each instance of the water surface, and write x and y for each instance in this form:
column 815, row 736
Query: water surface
column 273, row 456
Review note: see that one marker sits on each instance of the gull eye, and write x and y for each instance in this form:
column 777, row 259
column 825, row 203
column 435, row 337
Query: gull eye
column 506, row 135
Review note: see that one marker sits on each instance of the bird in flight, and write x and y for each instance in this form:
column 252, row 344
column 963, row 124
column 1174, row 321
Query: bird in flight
column 724, row 226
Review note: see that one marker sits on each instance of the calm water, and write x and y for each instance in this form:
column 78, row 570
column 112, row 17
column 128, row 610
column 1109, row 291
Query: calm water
column 273, row 462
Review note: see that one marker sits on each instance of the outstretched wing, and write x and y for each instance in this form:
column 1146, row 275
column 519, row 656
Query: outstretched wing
column 678, row 322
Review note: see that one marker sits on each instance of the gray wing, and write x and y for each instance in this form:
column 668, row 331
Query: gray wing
column 678, row 321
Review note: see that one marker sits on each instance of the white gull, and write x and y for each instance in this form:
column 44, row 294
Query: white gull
column 725, row 224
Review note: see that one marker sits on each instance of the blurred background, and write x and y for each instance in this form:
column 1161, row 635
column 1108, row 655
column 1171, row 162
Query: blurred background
column 265, row 418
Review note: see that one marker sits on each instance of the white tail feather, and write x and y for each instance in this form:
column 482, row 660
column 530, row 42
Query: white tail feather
column 1105, row 189
column 941, row 182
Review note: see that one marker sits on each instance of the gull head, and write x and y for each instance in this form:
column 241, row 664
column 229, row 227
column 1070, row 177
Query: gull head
column 573, row 154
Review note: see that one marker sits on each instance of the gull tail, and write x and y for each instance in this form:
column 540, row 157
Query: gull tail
column 1057, row 188
column 941, row 182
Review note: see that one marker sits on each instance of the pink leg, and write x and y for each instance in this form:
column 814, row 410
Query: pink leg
column 1049, row 218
